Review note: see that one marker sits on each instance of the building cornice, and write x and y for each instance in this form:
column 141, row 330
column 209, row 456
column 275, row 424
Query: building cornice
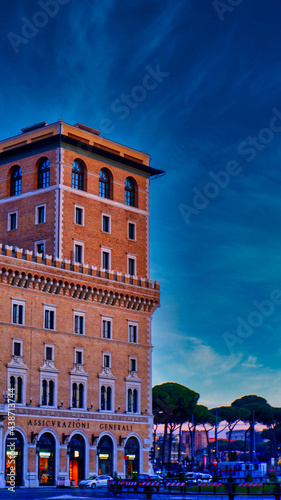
column 24, row 269
column 25, row 143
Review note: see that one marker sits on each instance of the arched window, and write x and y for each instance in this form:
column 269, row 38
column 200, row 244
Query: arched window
column 129, row 399
column 130, row 192
column 51, row 393
column 74, row 395
column 104, row 183
column 43, row 173
column 16, row 388
column 135, row 400
column 105, row 456
column 12, row 385
column 48, row 390
column 19, row 390
column 108, row 398
column 80, row 395
column 77, row 174
column 132, row 448
column 44, row 392
column 132, row 400
column 103, row 398
column 16, row 181
column 46, row 459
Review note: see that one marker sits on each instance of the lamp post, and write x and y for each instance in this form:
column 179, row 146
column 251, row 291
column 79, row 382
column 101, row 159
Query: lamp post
column 216, row 437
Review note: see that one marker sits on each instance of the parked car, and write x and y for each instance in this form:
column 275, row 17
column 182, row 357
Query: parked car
column 205, row 477
column 94, row 481
column 143, row 477
column 192, row 477
column 87, row 483
column 100, row 481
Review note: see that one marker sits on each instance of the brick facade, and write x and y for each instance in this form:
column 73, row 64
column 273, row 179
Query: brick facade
column 74, row 324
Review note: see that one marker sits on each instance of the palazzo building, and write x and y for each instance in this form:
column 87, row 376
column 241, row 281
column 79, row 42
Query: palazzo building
column 76, row 306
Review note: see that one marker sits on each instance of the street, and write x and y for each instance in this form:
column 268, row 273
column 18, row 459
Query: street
column 81, row 494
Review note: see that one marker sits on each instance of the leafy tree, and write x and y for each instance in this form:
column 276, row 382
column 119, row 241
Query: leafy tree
column 218, row 421
column 208, row 424
column 200, row 416
column 173, row 404
column 274, row 432
column 259, row 411
column 232, row 415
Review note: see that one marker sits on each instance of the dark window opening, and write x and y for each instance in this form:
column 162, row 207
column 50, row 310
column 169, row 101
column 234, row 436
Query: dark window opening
column 132, row 231
column 130, row 194
column 106, row 329
column 105, row 224
column 104, row 184
column 49, row 353
column 79, row 324
column 77, row 175
column 40, row 215
column 105, row 260
column 78, row 254
column 43, row 173
column 79, row 216
column 16, row 181
column 131, row 267
column 13, row 221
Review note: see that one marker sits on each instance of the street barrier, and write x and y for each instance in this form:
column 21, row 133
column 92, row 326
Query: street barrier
column 186, row 487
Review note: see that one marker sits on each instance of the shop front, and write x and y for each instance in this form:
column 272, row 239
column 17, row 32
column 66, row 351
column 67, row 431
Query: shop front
column 105, row 456
column 76, row 451
column 46, row 459
column 50, row 452
column 132, row 456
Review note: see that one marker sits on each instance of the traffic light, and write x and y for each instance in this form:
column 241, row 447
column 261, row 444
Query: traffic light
column 151, row 454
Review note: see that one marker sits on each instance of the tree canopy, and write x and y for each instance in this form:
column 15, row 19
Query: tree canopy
column 173, row 403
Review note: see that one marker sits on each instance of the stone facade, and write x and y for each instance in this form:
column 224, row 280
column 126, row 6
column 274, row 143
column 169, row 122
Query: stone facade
column 75, row 354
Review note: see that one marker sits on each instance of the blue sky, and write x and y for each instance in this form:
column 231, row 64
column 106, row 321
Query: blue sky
column 196, row 84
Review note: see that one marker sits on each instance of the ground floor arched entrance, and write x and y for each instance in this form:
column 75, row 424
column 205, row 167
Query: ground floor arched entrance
column 76, row 451
column 46, row 459
column 132, row 456
column 14, row 458
column 105, row 456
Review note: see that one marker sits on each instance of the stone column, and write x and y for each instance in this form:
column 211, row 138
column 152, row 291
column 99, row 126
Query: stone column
column 32, row 464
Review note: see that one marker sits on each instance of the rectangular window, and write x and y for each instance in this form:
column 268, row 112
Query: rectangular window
column 106, row 223
column 49, row 319
column 133, row 365
column 79, row 216
column 12, row 221
column 131, row 231
column 106, row 328
column 132, row 265
column 18, row 312
column 40, row 211
column 78, row 357
column 79, row 320
column 78, row 253
column 39, row 247
column 133, row 333
column 17, row 348
column 49, row 353
column 106, row 361
column 106, row 260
